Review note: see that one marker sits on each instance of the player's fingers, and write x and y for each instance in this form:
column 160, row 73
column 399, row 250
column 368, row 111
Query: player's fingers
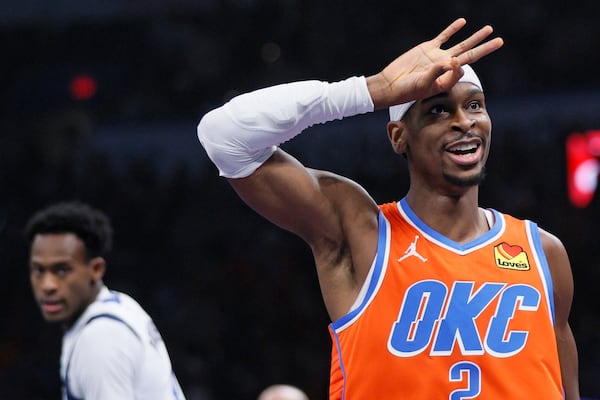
column 441, row 76
column 471, row 41
column 448, row 75
column 474, row 54
column 447, row 33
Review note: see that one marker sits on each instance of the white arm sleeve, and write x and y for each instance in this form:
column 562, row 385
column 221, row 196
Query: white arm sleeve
column 242, row 134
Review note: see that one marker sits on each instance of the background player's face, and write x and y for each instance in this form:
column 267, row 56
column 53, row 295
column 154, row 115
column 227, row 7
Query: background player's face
column 64, row 282
column 448, row 137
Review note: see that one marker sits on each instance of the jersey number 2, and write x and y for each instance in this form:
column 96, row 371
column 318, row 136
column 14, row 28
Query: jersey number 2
column 468, row 373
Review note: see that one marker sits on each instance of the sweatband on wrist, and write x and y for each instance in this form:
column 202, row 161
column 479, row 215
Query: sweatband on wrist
column 242, row 134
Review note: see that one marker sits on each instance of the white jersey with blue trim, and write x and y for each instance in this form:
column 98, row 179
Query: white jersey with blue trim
column 114, row 351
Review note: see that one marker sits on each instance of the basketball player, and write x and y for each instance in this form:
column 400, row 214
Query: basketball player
column 282, row 392
column 111, row 348
column 432, row 296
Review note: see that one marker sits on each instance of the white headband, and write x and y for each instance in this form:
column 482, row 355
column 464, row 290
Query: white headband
column 469, row 76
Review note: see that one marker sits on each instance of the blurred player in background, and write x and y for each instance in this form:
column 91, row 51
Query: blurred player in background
column 432, row 296
column 111, row 349
column 282, row 392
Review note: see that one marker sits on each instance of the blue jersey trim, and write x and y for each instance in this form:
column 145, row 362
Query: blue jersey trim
column 114, row 298
column 375, row 276
column 545, row 268
column 114, row 318
column 436, row 236
column 341, row 362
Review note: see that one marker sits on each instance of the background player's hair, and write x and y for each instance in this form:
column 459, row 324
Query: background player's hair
column 92, row 226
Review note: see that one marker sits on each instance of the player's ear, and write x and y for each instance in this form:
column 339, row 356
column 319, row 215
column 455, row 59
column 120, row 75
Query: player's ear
column 397, row 136
column 98, row 267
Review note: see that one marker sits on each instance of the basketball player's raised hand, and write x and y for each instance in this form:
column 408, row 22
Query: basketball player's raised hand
column 427, row 69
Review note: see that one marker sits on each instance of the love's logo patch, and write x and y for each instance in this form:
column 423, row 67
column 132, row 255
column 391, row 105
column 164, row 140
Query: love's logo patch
column 511, row 257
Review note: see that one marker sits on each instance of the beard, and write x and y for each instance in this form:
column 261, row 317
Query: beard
column 474, row 180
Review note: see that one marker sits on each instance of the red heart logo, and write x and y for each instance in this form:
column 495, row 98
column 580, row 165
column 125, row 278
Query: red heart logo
column 511, row 250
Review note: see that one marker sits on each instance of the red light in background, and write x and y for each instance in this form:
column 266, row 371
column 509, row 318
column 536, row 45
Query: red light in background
column 583, row 167
column 82, row 87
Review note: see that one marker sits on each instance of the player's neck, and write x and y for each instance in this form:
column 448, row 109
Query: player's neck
column 459, row 218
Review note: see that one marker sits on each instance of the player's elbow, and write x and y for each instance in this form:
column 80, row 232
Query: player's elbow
column 208, row 127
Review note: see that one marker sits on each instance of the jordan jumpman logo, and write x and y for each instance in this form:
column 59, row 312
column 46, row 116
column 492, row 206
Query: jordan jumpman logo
column 412, row 251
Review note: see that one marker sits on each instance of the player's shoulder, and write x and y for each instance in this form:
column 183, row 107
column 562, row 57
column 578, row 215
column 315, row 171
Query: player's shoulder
column 548, row 239
column 507, row 216
column 106, row 351
column 105, row 341
column 550, row 242
column 117, row 304
column 107, row 330
column 113, row 315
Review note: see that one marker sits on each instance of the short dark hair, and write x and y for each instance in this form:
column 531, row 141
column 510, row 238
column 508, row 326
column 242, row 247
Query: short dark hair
column 92, row 226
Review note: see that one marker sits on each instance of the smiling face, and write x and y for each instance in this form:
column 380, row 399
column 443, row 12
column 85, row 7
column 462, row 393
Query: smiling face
column 446, row 139
column 63, row 279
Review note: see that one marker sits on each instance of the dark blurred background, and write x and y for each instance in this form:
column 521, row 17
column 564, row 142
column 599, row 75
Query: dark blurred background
column 100, row 101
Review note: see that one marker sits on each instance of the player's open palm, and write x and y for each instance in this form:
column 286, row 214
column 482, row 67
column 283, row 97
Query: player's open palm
column 427, row 69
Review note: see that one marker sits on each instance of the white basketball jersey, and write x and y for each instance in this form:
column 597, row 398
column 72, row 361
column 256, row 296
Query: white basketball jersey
column 114, row 351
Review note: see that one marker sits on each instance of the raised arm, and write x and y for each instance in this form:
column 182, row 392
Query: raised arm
column 562, row 280
column 333, row 214
column 243, row 134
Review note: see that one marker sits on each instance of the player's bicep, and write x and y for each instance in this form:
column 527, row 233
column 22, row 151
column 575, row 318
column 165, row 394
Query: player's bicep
column 562, row 281
column 562, row 277
column 285, row 192
column 104, row 361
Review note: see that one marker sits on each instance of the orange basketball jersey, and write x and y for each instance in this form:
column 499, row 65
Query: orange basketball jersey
column 437, row 319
